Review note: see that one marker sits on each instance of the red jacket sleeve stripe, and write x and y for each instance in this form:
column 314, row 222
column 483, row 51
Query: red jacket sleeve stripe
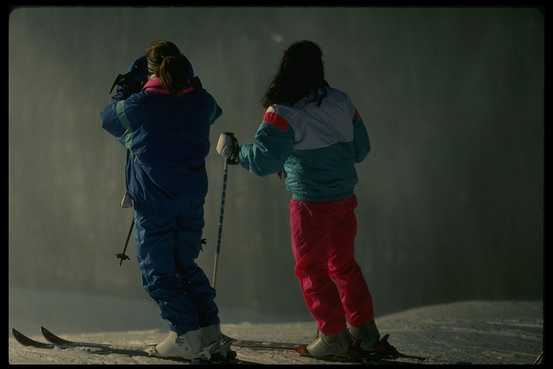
column 276, row 120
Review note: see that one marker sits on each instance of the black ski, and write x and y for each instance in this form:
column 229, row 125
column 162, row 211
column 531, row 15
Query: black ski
column 384, row 349
column 104, row 349
column 387, row 354
column 264, row 345
column 353, row 357
column 26, row 341
column 58, row 341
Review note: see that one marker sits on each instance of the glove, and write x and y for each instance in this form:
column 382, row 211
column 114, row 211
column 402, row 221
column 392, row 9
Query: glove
column 138, row 75
column 132, row 81
column 228, row 147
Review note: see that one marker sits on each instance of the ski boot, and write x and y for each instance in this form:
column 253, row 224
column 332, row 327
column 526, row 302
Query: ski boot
column 330, row 346
column 187, row 346
column 216, row 344
column 368, row 345
column 365, row 337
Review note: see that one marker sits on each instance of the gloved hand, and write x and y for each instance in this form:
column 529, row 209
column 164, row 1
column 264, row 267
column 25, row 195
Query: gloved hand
column 138, row 74
column 228, row 147
column 132, row 81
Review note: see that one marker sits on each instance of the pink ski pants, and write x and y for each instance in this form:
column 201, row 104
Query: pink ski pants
column 332, row 283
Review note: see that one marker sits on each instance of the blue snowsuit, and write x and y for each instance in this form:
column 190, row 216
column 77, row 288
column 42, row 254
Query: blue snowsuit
column 167, row 138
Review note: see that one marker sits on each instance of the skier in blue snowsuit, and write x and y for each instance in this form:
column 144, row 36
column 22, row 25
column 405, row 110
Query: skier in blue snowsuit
column 162, row 115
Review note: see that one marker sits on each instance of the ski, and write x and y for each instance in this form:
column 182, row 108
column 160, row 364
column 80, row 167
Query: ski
column 539, row 359
column 105, row 349
column 265, row 345
column 58, row 341
column 384, row 349
column 26, row 341
column 356, row 357
column 385, row 354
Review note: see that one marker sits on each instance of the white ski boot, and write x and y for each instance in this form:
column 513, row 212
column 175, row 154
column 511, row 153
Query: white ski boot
column 365, row 337
column 335, row 345
column 214, row 341
column 186, row 346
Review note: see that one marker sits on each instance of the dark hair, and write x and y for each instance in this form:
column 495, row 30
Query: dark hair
column 300, row 73
column 166, row 62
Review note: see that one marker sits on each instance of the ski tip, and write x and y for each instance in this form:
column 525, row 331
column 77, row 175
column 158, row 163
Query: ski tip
column 26, row 341
column 18, row 335
column 53, row 338
column 46, row 333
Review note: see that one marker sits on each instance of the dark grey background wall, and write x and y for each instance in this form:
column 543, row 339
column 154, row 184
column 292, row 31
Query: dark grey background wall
column 450, row 198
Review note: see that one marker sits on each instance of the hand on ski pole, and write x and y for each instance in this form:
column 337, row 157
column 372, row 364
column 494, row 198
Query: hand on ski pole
column 228, row 147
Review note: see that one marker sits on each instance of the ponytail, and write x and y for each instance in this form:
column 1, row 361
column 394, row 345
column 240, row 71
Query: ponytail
column 173, row 69
column 174, row 74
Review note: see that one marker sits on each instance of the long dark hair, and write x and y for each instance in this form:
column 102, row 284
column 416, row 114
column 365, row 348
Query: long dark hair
column 300, row 73
column 166, row 62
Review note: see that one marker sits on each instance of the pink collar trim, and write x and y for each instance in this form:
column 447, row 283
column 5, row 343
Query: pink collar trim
column 155, row 87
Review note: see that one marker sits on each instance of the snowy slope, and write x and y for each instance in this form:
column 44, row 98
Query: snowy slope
column 478, row 332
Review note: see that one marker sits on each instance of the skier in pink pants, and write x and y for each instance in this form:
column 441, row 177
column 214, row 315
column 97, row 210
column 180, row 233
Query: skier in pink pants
column 313, row 135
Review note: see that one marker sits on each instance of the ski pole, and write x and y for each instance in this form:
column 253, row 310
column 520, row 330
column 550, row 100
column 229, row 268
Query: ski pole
column 220, row 231
column 122, row 255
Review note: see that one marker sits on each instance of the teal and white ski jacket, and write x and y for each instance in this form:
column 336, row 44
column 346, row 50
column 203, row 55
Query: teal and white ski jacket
column 315, row 145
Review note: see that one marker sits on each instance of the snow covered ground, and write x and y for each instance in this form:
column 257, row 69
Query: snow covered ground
column 477, row 332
